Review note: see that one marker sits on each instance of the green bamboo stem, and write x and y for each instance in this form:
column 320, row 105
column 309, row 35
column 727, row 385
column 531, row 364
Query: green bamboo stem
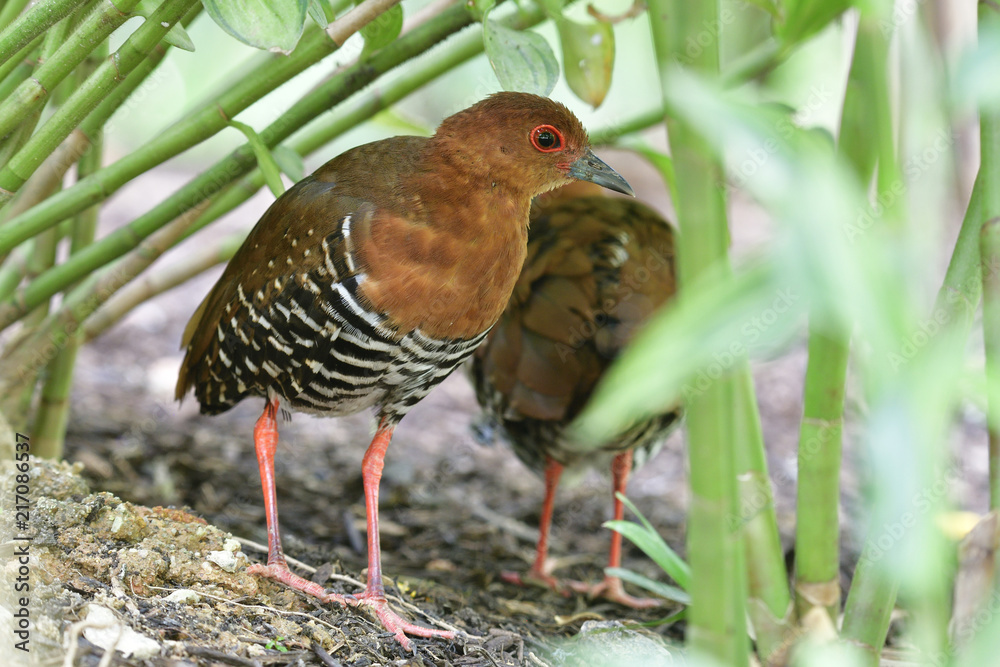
column 770, row 604
column 961, row 289
column 869, row 605
column 33, row 23
column 991, row 340
column 89, row 95
column 150, row 285
column 16, row 69
column 52, row 416
column 717, row 615
column 210, row 182
column 989, row 171
column 202, row 123
column 33, row 92
column 63, row 327
column 9, row 11
column 817, row 534
column 15, row 268
column 817, row 531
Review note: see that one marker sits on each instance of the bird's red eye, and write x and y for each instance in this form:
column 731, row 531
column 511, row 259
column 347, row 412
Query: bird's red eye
column 547, row 139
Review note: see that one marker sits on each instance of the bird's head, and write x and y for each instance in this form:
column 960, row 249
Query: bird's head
column 526, row 141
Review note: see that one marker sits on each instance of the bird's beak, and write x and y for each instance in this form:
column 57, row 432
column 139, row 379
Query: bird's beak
column 589, row 167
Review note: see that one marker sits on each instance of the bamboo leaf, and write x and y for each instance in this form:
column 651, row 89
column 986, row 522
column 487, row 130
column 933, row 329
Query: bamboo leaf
column 274, row 25
column 659, row 588
column 176, row 36
column 383, row 30
column 319, row 12
column 588, row 58
column 649, row 541
column 522, row 60
column 805, row 18
column 265, row 160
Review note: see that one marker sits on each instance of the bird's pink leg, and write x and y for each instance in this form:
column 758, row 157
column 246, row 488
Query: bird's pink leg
column 374, row 595
column 265, row 440
column 539, row 573
column 611, row 588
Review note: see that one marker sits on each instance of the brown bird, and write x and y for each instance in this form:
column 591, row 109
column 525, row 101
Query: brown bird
column 596, row 269
column 368, row 282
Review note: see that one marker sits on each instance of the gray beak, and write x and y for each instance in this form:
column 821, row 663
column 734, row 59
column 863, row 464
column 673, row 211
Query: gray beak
column 591, row 168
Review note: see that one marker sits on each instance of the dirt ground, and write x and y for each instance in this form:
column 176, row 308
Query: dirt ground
column 455, row 513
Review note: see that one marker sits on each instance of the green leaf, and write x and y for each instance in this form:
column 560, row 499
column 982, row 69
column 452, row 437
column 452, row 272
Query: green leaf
column 383, row 30
column 176, row 36
column 290, row 162
column 552, row 8
column 588, row 58
column 652, row 544
column 320, row 12
column 522, row 60
column 663, row 163
column 659, row 588
column 274, row 25
column 266, row 161
column 804, row 18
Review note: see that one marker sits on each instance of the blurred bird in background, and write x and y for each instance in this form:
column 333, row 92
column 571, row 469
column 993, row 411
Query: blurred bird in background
column 596, row 269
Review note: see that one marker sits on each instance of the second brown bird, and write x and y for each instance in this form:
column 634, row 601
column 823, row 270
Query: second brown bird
column 596, row 270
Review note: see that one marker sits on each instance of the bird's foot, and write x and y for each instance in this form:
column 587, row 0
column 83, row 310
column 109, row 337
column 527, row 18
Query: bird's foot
column 389, row 619
column 535, row 577
column 278, row 571
column 612, row 589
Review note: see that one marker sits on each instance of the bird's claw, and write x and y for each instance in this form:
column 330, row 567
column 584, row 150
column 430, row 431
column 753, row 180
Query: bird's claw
column 612, row 589
column 536, row 578
column 393, row 622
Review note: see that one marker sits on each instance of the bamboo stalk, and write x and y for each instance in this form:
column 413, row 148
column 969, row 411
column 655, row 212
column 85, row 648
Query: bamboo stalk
column 52, row 416
column 14, row 268
column 153, row 284
column 10, row 11
column 33, row 92
column 209, row 183
column 868, row 608
column 717, row 615
column 17, row 69
column 817, row 534
column 817, row 530
column 989, row 172
column 770, row 604
column 32, row 24
column 89, row 95
column 202, row 123
column 991, row 340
